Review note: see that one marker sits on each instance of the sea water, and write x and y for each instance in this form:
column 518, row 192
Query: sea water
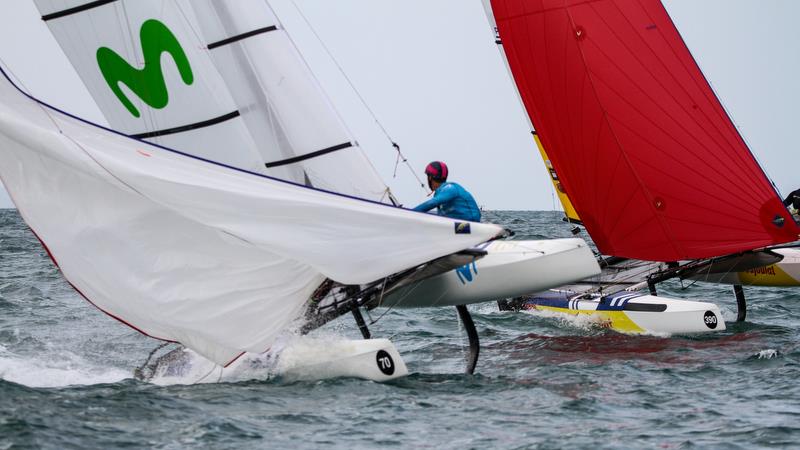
column 543, row 381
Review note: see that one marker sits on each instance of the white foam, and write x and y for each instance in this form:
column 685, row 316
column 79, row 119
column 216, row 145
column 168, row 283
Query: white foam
column 66, row 370
column 192, row 368
column 293, row 357
column 585, row 322
column 728, row 315
column 768, row 354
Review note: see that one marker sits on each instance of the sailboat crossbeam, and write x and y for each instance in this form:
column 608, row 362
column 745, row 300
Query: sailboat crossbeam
column 332, row 300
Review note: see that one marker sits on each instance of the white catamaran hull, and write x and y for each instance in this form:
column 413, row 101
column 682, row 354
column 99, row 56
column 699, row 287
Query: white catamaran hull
column 509, row 269
column 634, row 313
column 303, row 359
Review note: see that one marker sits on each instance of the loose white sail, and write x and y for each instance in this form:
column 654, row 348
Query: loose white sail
column 215, row 258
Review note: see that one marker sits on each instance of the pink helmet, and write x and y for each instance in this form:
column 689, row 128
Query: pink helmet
column 437, row 170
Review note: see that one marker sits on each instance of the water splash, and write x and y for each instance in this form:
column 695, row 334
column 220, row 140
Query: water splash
column 67, row 370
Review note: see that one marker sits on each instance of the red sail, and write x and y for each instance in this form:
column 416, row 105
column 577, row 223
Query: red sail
column 644, row 149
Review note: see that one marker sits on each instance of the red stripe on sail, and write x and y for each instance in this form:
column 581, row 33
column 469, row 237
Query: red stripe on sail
column 652, row 163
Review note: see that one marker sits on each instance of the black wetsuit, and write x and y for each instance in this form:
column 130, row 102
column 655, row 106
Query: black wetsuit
column 793, row 199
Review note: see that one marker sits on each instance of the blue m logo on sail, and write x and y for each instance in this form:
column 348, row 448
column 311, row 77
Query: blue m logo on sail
column 466, row 272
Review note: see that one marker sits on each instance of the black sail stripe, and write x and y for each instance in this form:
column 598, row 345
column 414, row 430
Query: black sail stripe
column 76, row 9
column 297, row 159
column 239, row 37
column 191, row 126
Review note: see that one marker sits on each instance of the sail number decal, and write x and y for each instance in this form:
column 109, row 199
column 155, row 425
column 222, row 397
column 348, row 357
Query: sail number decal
column 147, row 83
column 385, row 362
column 710, row 319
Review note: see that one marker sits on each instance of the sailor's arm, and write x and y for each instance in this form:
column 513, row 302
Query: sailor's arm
column 442, row 196
column 428, row 205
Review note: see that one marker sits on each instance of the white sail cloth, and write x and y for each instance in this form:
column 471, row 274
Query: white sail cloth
column 251, row 103
column 271, row 84
column 217, row 259
column 117, row 26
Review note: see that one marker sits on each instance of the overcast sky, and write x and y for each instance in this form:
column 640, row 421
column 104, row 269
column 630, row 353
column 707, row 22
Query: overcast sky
column 430, row 71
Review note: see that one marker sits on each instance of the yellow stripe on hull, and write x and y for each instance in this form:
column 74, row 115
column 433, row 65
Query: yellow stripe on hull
column 768, row 276
column 614, row 320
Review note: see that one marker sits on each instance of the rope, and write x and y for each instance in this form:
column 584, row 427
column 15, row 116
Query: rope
column 400, row 156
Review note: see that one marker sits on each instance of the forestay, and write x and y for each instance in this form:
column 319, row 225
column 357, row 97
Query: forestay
column 215, row 258
column 644, row 149
column 217, row 79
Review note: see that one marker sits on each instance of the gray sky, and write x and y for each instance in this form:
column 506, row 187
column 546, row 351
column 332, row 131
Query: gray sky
column 431, row 72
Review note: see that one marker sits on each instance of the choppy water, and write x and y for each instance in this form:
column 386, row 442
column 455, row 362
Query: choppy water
column 66, row 378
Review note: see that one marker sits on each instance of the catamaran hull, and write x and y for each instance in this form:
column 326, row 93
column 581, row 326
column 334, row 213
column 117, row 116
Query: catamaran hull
column 785, row 273
column 634, row 313
column 509, row 269
column 368, row 359
column 305, row 359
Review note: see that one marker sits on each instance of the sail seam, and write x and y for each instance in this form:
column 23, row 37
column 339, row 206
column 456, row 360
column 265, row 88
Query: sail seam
column 76, row 9
column 297, row 159
column 189, row 127
column 239, row 37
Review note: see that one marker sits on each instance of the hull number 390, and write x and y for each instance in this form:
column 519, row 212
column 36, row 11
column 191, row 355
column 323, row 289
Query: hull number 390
column 710, row 319
column 385, row 362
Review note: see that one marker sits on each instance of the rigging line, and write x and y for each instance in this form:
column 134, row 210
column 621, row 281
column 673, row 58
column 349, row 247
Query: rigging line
column 100, row 165
column 360, row 97
column 39, row 105
column 189, row 24
column 380, row 301
column 635, row 274
column 8, row 69
column 388, row 310
column 323, row 93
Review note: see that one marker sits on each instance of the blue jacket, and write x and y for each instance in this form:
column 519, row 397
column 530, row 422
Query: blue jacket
column 453, row 201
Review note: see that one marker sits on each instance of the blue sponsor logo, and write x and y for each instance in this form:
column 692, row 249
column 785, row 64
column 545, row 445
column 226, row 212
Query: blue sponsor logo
column 463, row 228
column 467, row 272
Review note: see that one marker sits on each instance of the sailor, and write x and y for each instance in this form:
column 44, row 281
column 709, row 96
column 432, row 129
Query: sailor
column 793, row 201
column 451, row 199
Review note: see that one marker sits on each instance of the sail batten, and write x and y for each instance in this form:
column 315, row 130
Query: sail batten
column 241, row 36
column 188, row 127
column 75, row 9
column 636, row 132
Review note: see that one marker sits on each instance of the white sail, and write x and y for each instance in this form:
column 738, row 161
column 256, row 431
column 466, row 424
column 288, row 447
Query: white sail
column 144, row 83
column 215, row 258
column 220, row 80
column 272, row 85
